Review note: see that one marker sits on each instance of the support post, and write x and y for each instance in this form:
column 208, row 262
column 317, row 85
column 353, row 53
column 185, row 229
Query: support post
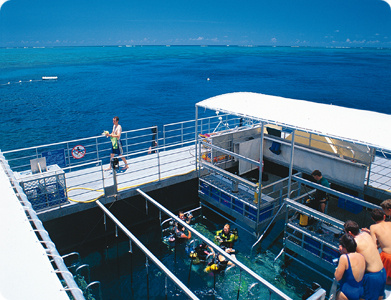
column 260, row 174
column 291, row 164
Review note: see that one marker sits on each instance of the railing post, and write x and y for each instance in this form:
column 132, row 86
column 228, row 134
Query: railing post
column 158, row 154
column 196, row 139
column 182, row 134
column 291, row 164
column 69, row 155
column 127, row 145
column 260, row 173
column 164, row 137
column 97, row 148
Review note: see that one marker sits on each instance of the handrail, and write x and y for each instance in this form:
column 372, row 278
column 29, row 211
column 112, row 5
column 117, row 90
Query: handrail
column 68, row 277
column 147, row 252
column 336, row 193
column 267, row 228
column 44, row 235
column 268, row 285
column 314, row 213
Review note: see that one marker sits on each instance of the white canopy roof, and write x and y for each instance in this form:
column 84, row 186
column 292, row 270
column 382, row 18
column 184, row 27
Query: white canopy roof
column 354, row 125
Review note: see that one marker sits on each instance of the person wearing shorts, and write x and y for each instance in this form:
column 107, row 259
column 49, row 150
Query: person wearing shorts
column 116, row 145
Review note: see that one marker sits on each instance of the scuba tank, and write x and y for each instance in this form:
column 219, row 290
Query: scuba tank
column 194, row 256
column 171, row 240
column 303, row 220
column 235, row 233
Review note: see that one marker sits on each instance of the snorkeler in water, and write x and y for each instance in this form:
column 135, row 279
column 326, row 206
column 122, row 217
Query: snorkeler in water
column 220, row 263
column 201, row 253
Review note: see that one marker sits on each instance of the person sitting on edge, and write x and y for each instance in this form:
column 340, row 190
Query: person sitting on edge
column 386, row 206
column 319, row 203
column 225, row 237
column 350, row 270
column 381, row 233
column 375, row 275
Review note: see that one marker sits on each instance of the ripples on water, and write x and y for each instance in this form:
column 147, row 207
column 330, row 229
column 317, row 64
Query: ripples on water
column 148, row 86
column 113, row 269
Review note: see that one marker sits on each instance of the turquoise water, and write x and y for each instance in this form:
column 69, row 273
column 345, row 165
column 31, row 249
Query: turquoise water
column 156, row 85
column 124, row 276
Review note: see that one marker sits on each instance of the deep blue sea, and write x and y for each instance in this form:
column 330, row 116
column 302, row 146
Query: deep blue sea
column 156, row 85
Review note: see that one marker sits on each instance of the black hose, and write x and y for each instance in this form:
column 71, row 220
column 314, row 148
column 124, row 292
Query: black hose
column 131, row 273
column 147, row 278
column 214, row 285
column 240, row 281
column 191, row 263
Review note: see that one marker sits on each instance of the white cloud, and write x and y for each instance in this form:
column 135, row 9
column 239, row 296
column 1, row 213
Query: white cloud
column 274, row 40
column 200, row 38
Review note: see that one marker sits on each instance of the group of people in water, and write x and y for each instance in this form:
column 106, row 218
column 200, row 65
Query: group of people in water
column 203, row 253
column 362, row 271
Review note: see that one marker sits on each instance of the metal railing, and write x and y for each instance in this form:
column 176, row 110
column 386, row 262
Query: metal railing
column 99, row 147
column 272, row 289
column 44, row 238
column 147, row 253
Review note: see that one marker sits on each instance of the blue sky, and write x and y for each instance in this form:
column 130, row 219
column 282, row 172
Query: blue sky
column 327, row 23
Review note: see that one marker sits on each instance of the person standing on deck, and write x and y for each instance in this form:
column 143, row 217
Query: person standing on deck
column 320, row 200
column 375, row 274
column 381, row 234
column 116, row 145
column 386, row 206
column 350, row 270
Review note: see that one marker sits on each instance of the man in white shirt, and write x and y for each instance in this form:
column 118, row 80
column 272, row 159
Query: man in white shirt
column 116, row 145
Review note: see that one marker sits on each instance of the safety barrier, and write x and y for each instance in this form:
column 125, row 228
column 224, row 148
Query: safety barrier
column 272, row 289
column 147, row 253
column 44, row 239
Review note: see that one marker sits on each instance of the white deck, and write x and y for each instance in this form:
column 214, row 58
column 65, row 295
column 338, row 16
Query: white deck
column 25, row 270
column 142, row 170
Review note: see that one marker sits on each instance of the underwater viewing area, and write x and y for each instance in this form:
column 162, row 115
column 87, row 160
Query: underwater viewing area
column 117, row 234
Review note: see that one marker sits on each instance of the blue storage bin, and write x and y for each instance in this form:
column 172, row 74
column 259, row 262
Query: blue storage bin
column 265, row 212
column 329, row 253
column 205, row 188
column 226, row 199
column 311, row 245
column 237, row 205
column 214, row 193
column 349, row 205
column 250, row 212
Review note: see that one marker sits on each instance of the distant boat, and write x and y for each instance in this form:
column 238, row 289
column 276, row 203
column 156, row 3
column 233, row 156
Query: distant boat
column 49, row 77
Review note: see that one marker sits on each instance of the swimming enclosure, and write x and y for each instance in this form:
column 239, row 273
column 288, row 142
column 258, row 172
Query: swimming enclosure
column 177, row 140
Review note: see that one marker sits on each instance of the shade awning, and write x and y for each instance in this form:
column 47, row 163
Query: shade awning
column 358, row 126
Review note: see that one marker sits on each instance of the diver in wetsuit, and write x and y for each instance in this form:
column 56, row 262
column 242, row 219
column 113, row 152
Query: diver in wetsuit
column 220, row 263
column 226, row 237
column 201, row 253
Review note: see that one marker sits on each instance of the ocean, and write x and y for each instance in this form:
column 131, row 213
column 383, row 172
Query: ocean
column 156, row 85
